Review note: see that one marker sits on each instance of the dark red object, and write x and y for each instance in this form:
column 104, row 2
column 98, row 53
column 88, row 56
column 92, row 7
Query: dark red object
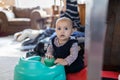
column 82, row 75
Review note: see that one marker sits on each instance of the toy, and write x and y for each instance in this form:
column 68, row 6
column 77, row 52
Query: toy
column 49, row 61
column 32, row 68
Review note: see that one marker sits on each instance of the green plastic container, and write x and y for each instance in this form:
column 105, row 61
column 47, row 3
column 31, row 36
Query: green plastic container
column 49, row 61
column 33, row 69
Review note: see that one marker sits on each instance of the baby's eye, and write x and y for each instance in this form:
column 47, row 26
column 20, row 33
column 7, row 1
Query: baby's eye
column 66, row 28
column 58, row 28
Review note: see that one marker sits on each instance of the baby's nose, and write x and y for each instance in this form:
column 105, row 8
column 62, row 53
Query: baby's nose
column 63, row 30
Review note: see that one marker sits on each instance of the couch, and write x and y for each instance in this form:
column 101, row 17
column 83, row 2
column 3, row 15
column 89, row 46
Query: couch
column 19, row 19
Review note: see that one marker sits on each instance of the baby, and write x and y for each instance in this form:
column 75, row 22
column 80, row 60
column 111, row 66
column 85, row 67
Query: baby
column 64, row 48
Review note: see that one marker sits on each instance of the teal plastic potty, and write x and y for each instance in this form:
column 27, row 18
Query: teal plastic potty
column 33, row 69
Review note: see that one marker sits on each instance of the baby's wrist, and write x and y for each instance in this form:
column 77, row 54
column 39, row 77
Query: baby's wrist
column 66, row 63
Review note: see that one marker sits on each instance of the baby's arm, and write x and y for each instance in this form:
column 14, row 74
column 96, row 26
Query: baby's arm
column 49, row 51
column 73, row 54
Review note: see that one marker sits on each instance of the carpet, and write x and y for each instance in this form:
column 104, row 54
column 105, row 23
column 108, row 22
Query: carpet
column 9, row 56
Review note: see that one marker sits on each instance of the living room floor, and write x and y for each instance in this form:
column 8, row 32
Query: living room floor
column 9, row 56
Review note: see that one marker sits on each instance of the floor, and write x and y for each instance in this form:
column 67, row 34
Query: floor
column 9, row 55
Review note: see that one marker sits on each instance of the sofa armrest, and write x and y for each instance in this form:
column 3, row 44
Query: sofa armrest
column 8, row 14
column 35, row 16
column 5, row 16
column 4, row 21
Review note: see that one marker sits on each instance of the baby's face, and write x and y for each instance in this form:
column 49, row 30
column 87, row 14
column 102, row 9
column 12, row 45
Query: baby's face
column 63, row 30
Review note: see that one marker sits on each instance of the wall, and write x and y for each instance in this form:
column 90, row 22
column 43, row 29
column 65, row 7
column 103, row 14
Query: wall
column 6, row 3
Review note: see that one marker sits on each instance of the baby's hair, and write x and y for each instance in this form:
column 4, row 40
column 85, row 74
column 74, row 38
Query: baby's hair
column 65, row 19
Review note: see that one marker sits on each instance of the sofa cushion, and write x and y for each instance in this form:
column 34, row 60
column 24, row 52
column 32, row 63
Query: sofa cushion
column 23, row 12
column 19, row 21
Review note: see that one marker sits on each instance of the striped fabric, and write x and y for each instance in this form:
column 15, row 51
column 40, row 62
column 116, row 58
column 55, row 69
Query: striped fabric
column 72, row 12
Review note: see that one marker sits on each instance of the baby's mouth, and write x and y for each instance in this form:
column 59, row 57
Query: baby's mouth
column 62, row 35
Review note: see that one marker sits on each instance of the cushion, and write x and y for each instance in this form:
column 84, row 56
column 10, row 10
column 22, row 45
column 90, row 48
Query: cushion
column 23, row 12
column 19, row 22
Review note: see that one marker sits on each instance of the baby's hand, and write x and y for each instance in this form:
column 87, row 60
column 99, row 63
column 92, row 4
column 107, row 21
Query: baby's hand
column 61, row 61
column 48, row 55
